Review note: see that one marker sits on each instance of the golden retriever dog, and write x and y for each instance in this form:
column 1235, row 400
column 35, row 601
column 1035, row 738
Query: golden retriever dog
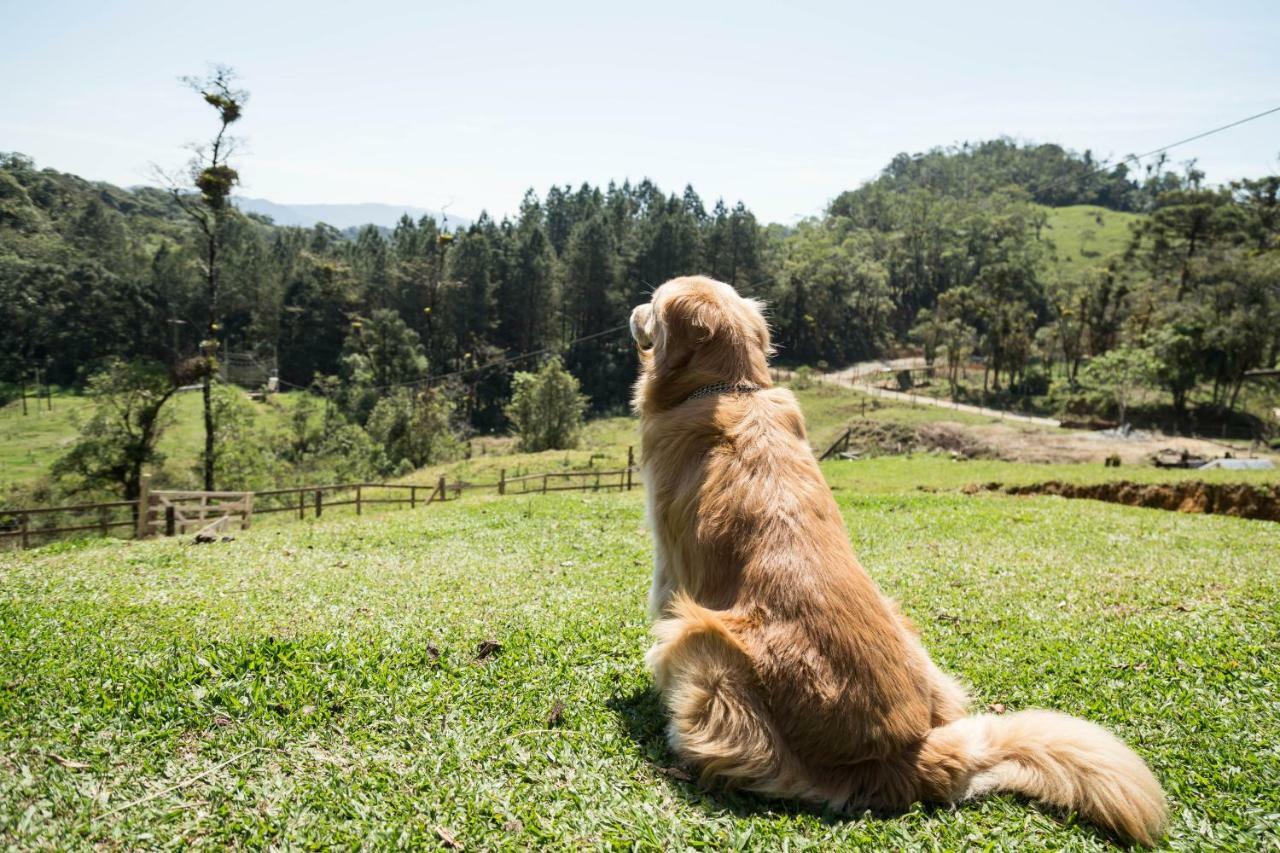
column 782, row 667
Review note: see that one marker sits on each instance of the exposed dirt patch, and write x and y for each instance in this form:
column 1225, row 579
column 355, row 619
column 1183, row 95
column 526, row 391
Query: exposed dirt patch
column 888, row 438
column 1237, row 499
column 1022, row 443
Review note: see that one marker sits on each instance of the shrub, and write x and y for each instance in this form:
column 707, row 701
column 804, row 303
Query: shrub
column 414, row 426
column 119, row 440
column 546, row 408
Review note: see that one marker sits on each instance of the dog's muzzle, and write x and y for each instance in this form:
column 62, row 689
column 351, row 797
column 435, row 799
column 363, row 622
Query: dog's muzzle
column 642, row 325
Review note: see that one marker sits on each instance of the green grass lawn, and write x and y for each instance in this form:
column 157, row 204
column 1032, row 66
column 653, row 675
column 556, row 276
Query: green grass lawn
column 316, row 684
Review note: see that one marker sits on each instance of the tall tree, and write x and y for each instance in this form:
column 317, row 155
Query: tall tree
column 214, row 179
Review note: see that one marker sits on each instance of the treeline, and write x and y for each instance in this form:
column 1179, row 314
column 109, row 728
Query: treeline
column 89, row 271
column 967, row 276
column 946, row 252
column 1049, row 174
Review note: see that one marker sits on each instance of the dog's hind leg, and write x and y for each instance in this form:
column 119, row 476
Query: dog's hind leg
column 719, row 723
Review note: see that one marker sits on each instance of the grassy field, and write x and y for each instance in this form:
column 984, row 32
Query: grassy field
column 1084, row 235
column 29, row 444
column 318, row 684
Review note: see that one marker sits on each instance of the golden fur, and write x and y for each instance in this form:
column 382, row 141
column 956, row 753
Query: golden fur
column 783, row 668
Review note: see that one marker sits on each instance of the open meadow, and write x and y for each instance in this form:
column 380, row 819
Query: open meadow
column 470, row 673
column 31, row 443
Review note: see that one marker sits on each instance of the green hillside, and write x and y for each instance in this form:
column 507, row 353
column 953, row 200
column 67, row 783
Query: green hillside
column 29, row 444
column 1085, row 235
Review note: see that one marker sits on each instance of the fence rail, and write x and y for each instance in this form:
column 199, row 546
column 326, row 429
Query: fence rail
column 170, row 513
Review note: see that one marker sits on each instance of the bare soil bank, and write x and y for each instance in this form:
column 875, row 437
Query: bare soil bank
column 1237, row 499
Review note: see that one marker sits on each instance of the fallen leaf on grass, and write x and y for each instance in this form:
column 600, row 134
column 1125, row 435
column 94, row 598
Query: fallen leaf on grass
column 69, row 763
column 433, row 652
column 513, row 826
column 222, row 720
column 447, row 838
column 487, row 649
column 1136, row 667
column 1186, row 606
column 996, row 708
column 556, row 716
column 677, row 773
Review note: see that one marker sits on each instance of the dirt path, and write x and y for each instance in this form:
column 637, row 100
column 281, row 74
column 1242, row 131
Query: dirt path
column 858, row 376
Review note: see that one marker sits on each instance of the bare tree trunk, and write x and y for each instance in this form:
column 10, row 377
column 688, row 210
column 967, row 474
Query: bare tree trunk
column 207, row 393
column 206, row 390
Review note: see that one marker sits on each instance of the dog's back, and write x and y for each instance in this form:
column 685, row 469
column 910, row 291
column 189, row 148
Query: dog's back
column 784, row 669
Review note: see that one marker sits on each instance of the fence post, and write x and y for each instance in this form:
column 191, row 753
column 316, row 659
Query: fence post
column 413, row 496
column 319, row 502
column 544, row 483
column 631, row 463
column 359, row 506
column 302, row 505
column 103, row 518
column 25, row 521
column 144, row 507
column 170, row 520
column 443, row 496
column 502, row 481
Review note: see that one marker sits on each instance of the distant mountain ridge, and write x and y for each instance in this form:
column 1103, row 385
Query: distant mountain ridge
column 340, row 216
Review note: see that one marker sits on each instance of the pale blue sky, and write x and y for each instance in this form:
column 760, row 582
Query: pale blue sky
column 468, row 104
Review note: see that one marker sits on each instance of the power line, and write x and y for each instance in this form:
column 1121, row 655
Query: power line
column 479, row 368
column 429, row 380
column 1136, row 158
column 1131, row 158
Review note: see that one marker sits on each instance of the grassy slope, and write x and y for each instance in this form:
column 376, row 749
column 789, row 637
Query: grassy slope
column 828, row 410
column 30, row 444
column 1081, row 240
column 309, row 644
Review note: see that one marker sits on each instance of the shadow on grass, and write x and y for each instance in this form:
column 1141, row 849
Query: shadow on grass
column 642, row 719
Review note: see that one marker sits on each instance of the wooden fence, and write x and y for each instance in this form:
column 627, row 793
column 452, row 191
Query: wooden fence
column 172, row 513
column 840, row 445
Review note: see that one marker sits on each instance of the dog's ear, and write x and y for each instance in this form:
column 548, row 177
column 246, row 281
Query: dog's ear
column 682, row 323
column 692, row 318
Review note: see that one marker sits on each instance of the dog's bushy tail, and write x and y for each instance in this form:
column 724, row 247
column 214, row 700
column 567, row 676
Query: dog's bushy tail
column 1056, row 759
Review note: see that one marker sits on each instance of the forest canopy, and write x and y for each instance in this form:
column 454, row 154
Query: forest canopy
column 952, row 252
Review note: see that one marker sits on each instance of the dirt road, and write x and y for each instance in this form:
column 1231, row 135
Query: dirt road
column 859, row 376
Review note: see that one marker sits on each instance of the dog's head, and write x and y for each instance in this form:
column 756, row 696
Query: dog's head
column 696, row 331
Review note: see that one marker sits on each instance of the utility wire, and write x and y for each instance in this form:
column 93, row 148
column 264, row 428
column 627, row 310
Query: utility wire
column 1137, row 158
column 429, row 380
column 1132, row 158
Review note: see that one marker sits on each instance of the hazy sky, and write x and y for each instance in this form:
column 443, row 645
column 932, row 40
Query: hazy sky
column 781, row 105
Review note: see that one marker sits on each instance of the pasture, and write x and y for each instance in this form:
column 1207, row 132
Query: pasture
column 1085, row 236
column 470, row 674
column 31, row 443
